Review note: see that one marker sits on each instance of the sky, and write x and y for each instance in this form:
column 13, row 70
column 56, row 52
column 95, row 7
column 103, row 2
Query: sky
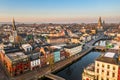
column 59, row 11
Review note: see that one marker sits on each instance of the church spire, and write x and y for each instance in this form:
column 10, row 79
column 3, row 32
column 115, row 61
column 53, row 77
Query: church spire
column 13, row 25
column 99, row 26
column 99, row 22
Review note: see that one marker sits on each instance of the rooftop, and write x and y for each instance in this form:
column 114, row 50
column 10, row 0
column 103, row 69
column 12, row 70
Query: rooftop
column 109, row 54
column 109, row 57
column 72, row 46
column 58, row 47
column 16, row 56
column 26, row 45
column 91, row 67
column 55, row 50
column 35, row 56
column 12, row 50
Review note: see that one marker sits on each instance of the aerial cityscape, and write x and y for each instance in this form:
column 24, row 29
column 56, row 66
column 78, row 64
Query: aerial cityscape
column 59, row 40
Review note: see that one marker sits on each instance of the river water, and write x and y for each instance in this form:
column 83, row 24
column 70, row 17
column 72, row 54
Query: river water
column 74, row 71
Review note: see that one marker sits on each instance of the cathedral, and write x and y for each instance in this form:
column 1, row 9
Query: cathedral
column 100, row 26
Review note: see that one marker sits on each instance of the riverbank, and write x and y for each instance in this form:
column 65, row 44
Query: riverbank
column 74, row 71
column 56, row 67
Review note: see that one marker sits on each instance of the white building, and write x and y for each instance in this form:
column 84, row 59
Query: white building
column 27, row 47
column 106, row 68
column 88, row 38
column 35, row 61
column 73, row 49
column 89, row 72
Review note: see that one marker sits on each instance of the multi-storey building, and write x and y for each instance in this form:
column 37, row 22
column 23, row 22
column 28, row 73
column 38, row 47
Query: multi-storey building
column 19, row 59
column 15, row 61
column 58, row 40
column 89, row 72
column 73, row 49
column 35, row 60
column 106, row 68
column 33, row 55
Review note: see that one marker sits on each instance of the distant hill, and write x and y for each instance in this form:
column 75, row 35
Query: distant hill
column 9, row 22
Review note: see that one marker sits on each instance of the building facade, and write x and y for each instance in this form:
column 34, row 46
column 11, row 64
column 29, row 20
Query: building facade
column 106, row 68
column 89, row 73
column 15, row 62
column 73, row 49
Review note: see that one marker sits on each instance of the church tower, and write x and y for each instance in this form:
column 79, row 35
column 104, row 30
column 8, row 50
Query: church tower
column 99, row 22
column 14, row 29
column 14, row 35
column 13, row 25
column 99, row 27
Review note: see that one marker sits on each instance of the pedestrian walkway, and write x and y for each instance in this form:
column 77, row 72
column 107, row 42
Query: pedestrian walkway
column 54, row 77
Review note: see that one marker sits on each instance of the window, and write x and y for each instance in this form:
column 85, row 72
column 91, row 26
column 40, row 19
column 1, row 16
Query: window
column 108, row 66
column 102, row 70
column 107, row 73
column 97, row 64
column 102, row 79
column 97, row 70
column 107, row 78
column 113, row 74
column 102, row 65
column 113, row 68
column 38, row 61
column 97, row 77
column 25, row 68
column 33, row 63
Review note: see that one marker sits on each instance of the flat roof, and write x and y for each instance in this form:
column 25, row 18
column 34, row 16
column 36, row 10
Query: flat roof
column 34, row 56
column 109, row 57
column 72, row 46
column 58, row 47
column 16, row 56
column 109, row 54
column 12, row 50
column 26, row 45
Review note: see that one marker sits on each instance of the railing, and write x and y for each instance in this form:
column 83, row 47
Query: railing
column 54, row 77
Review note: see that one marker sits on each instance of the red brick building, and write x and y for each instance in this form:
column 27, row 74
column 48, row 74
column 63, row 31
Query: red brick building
column 15, row 62
column 119, row 73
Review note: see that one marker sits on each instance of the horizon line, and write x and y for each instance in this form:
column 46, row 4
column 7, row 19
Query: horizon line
column 56, row 22
column 86, row 19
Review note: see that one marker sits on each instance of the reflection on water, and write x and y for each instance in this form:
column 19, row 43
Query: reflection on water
column 69, row 71
column 74, row 71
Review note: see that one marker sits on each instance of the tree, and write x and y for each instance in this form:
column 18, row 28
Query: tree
column 51, row 61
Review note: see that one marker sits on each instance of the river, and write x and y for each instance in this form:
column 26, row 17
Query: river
column 74, row 71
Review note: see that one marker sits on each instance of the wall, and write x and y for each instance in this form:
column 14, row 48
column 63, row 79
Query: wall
column 56, row 56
